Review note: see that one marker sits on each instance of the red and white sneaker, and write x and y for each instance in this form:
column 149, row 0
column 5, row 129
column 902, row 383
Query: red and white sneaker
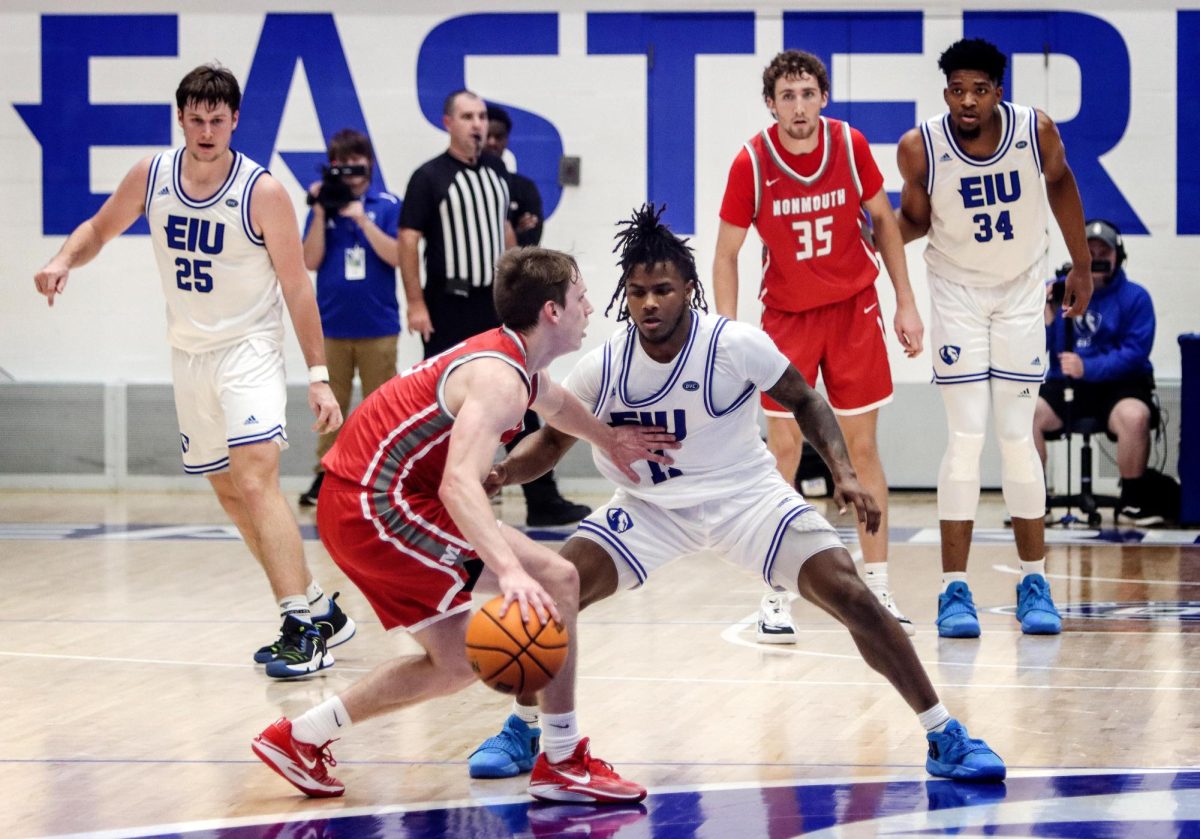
column 300, row 764
column 581, row 777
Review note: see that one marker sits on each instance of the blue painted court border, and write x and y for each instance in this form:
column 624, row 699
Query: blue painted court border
column 1066, row 806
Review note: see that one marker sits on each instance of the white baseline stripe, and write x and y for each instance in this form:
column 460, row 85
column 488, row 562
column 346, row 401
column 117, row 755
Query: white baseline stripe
column 1008, row 569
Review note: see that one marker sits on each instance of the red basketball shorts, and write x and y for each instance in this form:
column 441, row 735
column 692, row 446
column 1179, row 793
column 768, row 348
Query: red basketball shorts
column 846, row 342
column 405, row 554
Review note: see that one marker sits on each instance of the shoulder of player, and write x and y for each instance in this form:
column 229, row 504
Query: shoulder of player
column 490, row 379
column 910, row 154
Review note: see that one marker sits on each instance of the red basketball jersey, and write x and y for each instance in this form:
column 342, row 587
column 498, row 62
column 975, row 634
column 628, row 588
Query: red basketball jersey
column 816, row 250
column 396, row 440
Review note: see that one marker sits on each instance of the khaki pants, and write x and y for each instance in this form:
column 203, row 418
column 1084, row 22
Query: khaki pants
column 375, row 360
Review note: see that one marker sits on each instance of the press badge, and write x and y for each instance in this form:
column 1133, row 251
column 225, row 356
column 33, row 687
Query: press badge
column 356, row 263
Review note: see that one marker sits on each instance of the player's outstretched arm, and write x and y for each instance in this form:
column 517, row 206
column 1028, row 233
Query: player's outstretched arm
column 271, row 213
column 820, row 428
column 624, row 445
column 487, row 397
column 915, row 210
column 114, row 217
column 1063, row 195
column 907, row 323
column 531, row 458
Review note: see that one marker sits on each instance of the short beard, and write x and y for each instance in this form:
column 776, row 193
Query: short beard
column 968, row 133
column 666, row 336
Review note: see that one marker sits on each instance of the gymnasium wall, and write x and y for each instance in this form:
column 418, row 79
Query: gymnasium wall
column 654, row 99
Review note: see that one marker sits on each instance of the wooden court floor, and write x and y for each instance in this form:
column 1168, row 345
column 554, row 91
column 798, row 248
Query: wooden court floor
column 129, row 697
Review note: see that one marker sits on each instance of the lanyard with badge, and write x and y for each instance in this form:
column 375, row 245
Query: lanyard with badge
column 355, row 256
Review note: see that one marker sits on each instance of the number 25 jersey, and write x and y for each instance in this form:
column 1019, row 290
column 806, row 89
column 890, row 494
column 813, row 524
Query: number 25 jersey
column 988, row 222
column 218, row 279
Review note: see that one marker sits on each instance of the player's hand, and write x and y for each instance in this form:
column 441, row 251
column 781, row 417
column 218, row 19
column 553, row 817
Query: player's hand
column 418, row 320
column 846, row 491
column 627, row 444
column 520, row 588
column 50, row 281
column 496, row 480
column 325, row 407
column 526, row 221
column 909, row 329
column 1072, row 365
column 1079, row 291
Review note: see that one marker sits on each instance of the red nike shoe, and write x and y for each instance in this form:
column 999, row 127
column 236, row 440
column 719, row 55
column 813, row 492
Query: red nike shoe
column 300, row 764
column 581, row 777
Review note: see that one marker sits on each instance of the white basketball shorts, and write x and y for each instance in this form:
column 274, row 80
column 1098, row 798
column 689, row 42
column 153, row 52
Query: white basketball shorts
column 227, row 398
column 978, row 333
column 746, row 531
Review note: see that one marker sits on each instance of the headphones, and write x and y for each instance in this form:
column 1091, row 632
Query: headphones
column 1107, row 232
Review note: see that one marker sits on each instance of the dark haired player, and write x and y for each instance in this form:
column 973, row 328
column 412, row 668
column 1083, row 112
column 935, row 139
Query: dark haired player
column 722, row 493
column 973, row 180
column 228, row 251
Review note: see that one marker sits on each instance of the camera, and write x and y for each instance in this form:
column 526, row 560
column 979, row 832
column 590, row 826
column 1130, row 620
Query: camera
column 335, row 193
column 1058, row 291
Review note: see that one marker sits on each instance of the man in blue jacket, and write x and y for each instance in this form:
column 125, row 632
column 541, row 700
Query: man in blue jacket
column 1104, row 357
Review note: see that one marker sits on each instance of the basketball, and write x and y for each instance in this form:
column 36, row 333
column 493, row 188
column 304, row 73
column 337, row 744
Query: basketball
column 510, row 655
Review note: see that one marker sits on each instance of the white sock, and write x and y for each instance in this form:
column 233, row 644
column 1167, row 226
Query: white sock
column 318, row 603
column 322, row 723
column 875, row 575
column 949, row 577
column 295, row 605
column 1038, row 567
column 528, row 714
column 935, row 718
column 560, row 736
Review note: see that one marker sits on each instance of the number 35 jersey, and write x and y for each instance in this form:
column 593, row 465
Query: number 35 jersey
column 219, row 282
column 703, row 396
column 989, row 216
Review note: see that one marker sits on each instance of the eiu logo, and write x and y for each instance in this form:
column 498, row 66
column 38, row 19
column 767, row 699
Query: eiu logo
column 949, row 353
column 619, row 520
column 677, row 426
column 691, row 385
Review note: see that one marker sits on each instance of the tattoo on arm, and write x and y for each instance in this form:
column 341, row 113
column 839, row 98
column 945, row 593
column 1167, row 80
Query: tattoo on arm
column 816, row 419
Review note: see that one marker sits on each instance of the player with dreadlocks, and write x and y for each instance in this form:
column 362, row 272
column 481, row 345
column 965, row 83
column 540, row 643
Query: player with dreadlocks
column 695, row 374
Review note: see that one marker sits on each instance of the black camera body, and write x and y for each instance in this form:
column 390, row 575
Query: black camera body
column 335, row 193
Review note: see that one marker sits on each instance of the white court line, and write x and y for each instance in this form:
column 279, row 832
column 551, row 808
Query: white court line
column 1008, row 569
column 167, row 662
column 732, row 635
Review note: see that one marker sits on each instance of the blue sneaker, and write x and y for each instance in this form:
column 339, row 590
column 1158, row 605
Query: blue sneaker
column 302, row 651
column 956, row 613
column 508, row 754
column 1035, row 609
column 952, row 754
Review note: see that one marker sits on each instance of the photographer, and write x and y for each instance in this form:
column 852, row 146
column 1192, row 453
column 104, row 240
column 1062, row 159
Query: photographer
column 1104, row 358
column 350, row 241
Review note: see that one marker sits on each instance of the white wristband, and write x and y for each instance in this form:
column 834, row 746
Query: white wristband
column 318, row 373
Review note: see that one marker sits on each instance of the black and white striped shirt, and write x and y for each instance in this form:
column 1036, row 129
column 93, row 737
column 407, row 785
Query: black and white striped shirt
column 460, row 211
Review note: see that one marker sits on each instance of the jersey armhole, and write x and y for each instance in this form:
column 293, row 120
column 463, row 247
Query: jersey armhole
column 757, row 180
column 151, row 177
column 1033, row 139
column 247, row 194
column 849, row 141
column 927, row 141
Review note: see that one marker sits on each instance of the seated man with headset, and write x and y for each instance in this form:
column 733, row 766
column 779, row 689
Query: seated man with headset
column 1104, row 357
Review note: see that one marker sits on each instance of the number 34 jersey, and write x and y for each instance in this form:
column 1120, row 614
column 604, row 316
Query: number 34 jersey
column 703, row 396
column 219, row 282
column 989, row 215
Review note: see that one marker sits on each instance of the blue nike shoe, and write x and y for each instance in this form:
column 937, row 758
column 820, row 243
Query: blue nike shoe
column 1035, row 609
column 956, row 616
column 508, row 754
column 953, row 754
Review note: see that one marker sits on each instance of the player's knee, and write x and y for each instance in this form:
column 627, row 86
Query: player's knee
column 961, row 461
column 1019, row 461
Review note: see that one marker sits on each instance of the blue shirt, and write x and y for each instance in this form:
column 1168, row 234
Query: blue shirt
column 1113, row 338
column 366, row 308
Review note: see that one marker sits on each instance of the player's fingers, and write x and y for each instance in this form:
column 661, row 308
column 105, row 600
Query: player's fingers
column 629, row 473
column 523, row 605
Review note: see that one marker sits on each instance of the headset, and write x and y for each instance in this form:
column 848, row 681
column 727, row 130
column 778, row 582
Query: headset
column 1107, row 232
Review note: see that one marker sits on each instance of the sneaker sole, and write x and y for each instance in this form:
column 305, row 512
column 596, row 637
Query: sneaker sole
column 959, row 632
column 772, row 638
column 907, row 626
column 1041, row 630
column 348, row 631
column 286, row 768
column 493, row 772
column 964, row 773
column 299, row 671
column 555, row 792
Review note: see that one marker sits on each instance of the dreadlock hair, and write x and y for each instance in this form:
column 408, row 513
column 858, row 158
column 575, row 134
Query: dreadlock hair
column 974, row 54
column 644, row 240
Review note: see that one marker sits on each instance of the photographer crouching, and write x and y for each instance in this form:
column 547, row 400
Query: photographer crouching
column 350, row 241
column 1103, row 358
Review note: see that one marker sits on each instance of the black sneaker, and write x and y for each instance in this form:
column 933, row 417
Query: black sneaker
column 556, row 511
column 1139, row 516
column 308, row 498
column 336, row 628
column 302, row 651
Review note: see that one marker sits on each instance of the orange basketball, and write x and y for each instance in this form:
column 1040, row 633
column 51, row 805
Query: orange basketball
column 510, row 655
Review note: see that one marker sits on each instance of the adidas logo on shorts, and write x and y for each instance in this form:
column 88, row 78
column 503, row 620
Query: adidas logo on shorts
column 251, row 420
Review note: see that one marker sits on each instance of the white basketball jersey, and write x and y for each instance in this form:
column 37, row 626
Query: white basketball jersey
column 704, row 396
column 989, row 216
column 218, row 280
